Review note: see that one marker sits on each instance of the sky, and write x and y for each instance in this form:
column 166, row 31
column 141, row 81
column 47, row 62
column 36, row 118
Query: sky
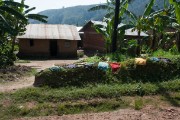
column 55, row 4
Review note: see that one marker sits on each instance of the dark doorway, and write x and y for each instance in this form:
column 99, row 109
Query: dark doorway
column 53, row 48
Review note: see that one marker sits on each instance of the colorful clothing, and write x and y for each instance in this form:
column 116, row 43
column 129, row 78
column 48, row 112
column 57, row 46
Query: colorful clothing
column 115, row 67
column 103, row 66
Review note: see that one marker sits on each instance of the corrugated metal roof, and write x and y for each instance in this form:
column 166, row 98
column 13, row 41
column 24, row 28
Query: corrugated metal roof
column 128, row 32
column 131, row 32
column 50, row 31
column 79, row 28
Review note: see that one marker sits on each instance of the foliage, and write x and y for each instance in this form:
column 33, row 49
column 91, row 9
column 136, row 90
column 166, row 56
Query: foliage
column 13, row 20
column 177, row 9
column 6, row 56
column 129, row 72
column 107, row 29
column 71, row 77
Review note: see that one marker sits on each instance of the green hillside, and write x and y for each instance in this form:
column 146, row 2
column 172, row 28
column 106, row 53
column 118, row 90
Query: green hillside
column 79, row 15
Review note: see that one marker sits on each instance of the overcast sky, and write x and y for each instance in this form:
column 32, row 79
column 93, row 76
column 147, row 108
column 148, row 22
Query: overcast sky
column 55, row 4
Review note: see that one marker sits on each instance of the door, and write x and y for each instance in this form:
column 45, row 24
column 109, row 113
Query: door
column 53, row 48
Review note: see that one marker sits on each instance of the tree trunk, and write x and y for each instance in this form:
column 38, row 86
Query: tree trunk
column 153, row 40
column 138, row 49
column 178, row 41
column 13, row 44
column 114, row 40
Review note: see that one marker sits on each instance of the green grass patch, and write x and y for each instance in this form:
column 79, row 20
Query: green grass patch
column 47, row 101
column 46, row 94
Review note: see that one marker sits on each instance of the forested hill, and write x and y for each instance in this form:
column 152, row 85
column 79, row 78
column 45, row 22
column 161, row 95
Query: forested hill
column 78, row 15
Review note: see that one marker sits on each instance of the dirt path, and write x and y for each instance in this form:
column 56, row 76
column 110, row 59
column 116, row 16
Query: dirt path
column 148, row 113
column 22, row 83
column 43, row 64
column 28, row 81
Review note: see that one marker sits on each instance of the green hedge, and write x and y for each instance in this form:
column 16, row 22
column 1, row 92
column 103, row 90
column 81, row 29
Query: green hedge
column 129, row 72
column 151, row 72
column 71, row 77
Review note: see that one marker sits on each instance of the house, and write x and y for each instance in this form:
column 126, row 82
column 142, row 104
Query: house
column 95, row 41
column 49, row 40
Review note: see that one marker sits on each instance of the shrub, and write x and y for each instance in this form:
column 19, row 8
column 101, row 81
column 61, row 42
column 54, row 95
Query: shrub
column 128, row 73
column 71, row 77
column 6, row 58
column 151, row 72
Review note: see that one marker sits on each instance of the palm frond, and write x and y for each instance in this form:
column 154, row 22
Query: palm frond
column 13, row 12
column 29, row 10
column 149, row 8
column 16, row 4
column 41, row 18
column 5, row 25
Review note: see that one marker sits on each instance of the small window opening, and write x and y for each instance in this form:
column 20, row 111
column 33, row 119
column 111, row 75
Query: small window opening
column 31, row 42
column 67, row 44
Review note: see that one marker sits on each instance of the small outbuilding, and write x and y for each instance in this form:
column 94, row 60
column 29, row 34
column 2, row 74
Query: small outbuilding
column 49, row 40
column 94, row 41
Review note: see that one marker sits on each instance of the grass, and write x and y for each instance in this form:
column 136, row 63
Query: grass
column 138, row 104
column 22, row 61
column 46, row 101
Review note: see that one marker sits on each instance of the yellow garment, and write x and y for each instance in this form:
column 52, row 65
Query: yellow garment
column 140, row 61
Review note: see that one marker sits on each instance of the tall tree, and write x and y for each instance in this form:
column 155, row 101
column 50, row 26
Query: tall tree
column 114, row 39
column 107, row 30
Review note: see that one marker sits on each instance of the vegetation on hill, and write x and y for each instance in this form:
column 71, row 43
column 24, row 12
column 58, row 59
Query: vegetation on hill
column 79, row 15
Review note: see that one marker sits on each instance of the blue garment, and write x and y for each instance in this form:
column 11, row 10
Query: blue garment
column 103, row 66
column 70, row 66
column 54, row 69
column 166, row 60
column 88, row 65
column 154, row 59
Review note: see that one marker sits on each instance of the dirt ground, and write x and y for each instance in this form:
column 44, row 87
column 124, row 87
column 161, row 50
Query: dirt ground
column 43, row 64
column 25, row 82
column 147, row 113
column 15, row 85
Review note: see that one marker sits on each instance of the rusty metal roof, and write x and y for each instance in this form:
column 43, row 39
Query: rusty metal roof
column 51, row 31
column 128, row 32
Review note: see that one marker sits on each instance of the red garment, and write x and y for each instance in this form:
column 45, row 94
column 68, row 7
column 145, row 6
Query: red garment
column 115, row 67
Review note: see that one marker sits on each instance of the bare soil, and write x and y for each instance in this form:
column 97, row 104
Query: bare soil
column 147, row 113
column 24, row 82
column 43, row 64
column 13, row 73
column 13, row 78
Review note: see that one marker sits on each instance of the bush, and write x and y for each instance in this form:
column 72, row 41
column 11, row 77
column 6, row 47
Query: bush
column 151, row 72
column 128, row 73
column 71, row 77
column 6, row 58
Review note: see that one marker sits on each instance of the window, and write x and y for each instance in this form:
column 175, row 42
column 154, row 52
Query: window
column 31, row 43
column 67, row 44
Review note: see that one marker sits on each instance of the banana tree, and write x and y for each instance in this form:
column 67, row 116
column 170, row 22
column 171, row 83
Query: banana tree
column 5, row 12
column 176, row 25
column 140, row 24
column 159, row 22
column 19, row 25
column 107, row 30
